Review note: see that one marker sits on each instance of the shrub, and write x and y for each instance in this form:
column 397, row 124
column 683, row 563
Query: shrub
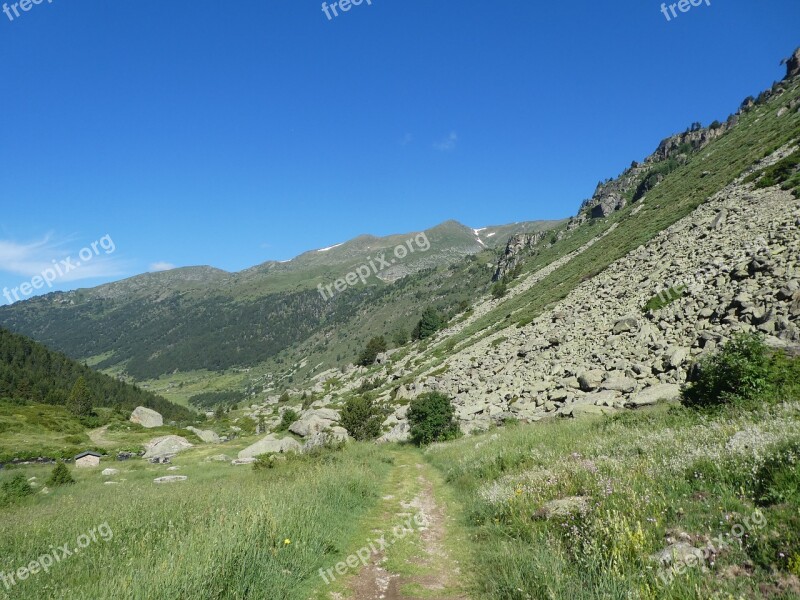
column 60, row 476
column 499, row 289
column 430, row 322
column 15, row 489
column 400, row 337
column 432, row 419
column 375, row 346
column 289, row 416
column 362, row 418
column 738, row 374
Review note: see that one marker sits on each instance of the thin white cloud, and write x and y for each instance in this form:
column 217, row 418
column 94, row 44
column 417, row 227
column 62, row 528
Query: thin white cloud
column 34, row 258
column 161, row 266
column 448, row 143
column 407, row 139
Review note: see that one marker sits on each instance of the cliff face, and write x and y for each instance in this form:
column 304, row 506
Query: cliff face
column 517, row 246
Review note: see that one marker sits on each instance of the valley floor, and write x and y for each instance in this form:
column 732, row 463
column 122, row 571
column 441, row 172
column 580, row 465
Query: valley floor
column 573, row 509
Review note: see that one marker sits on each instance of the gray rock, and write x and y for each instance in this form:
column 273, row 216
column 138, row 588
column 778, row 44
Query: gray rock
column 619, row 384
column 653, row 394
column 170, row 479
column 271, row 445
column 310, row 424
column 590, row 380
column 218, row 458
column 680, row 552
column 146, row 417
column 208, row 436
column 166, row 446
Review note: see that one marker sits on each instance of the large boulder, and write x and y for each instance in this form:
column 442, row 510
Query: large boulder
column 653, row 394
column 590, row 380
column 208, row 436
column 146, row 417
column 271, row 445
column 319, row 440
column 311, row 423
column 166, row 445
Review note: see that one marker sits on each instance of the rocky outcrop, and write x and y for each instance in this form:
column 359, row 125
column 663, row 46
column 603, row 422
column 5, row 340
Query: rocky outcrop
column 518, row 246
column 146, row 417
column 737, row 261
column 793, row 65
column 314, row 421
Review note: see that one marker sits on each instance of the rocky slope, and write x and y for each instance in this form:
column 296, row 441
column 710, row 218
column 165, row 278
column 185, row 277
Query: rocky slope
column 626, row 335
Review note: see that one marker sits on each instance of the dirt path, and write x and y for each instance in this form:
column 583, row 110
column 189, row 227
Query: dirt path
column 416, row 561
column 98, row 437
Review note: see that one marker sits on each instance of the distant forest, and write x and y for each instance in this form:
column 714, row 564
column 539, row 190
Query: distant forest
column 31, row 372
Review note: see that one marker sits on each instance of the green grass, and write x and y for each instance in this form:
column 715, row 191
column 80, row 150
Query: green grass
column 664, row 298
column 34, row 430
column 645, row 474
column 221, row 534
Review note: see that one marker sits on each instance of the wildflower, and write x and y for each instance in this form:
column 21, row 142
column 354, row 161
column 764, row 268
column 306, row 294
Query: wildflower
column 287, row 541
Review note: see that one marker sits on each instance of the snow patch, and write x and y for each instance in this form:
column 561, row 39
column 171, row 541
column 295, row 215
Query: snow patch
column 329, row 247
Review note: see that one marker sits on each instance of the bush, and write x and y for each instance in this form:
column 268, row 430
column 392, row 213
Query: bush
column 60, row 476
column 431, row 322
column 289, row 416
column 375, row 346
column 362, row 418
column 499, row 289
column 15, row 489
column 738, row 374
column 432, row 419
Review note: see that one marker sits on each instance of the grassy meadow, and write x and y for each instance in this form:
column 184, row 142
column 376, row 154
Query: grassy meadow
column 647, row 479
column 226, row 532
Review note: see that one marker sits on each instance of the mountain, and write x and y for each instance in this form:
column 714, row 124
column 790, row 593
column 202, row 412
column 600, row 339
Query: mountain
column 279, row 325
column 201, row 319
column 659, row 269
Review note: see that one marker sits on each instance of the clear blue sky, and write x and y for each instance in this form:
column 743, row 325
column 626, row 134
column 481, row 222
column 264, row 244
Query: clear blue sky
column 230, row 133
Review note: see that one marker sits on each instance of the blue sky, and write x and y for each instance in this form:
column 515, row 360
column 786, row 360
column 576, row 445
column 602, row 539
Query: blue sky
column 233, row 133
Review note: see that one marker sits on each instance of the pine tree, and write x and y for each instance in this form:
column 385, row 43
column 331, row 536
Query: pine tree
column 80, row 400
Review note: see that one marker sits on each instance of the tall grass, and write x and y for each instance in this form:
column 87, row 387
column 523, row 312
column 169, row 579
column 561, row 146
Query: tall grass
column 227, row 532
column 667, row 471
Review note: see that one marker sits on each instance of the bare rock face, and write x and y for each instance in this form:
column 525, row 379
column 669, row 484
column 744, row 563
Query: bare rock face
column 146, row 417
column 793, row 65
